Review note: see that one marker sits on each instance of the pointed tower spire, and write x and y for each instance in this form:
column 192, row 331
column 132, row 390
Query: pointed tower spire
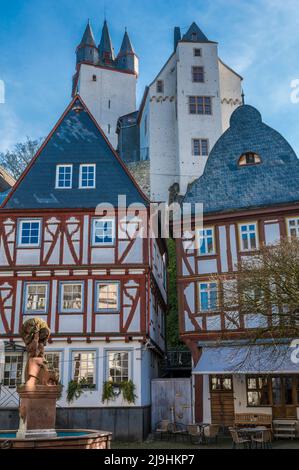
column 126, row 45
column 87, row 49
column 106, row 51
column 195, row 34
column 127, row 58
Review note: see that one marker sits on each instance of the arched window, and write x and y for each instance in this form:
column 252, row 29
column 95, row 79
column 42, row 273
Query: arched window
column 249, row 158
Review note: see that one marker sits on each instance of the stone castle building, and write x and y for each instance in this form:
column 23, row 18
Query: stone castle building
column 184, row 110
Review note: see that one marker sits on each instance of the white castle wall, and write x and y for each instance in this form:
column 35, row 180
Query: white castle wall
column 111, row 85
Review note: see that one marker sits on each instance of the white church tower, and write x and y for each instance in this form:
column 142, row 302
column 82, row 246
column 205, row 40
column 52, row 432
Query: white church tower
column 184, row 111
column 106, row 83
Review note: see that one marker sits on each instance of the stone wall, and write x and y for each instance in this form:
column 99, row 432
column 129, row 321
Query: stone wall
column 126, row 424
column 141, row 172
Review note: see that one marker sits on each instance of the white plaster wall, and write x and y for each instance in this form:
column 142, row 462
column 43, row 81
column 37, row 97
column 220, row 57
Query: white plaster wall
column 118, row 87
column 162, row 133
column 196, row 126
column 230, row 92
column 94, row 398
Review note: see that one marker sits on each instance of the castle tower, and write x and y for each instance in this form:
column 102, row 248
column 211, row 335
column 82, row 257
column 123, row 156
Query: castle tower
column 106, row 84
column 87, row 50
column 126, row 58
column 184, row 111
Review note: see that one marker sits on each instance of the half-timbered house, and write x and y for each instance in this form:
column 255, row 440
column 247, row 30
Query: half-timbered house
column 250, row 197
column 73, row 255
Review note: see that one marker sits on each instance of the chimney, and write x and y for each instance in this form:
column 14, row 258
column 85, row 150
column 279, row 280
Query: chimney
column 176, row 36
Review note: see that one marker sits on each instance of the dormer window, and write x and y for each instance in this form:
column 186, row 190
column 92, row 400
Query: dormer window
column 249, row 158
column 193, row 36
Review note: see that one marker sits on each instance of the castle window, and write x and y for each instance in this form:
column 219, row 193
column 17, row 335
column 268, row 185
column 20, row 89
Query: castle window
column 200, row 147
column 208, row 296
column 107, row 296
column 249, row 158
column 109, row 128
column 193, row 36
column 84, row 363
column 197, row 52
column 248, row 237
column 29, row 233
column 13, row 367
column 64, row 174
column 118, row 366
column 71, row 300
column 94, row 78
column 293, row 227
column 87, row 176
column 103, row 232
column 198, row 74
column 206, row 241
column 160, row 86
column 35, row 298
column 200, row 105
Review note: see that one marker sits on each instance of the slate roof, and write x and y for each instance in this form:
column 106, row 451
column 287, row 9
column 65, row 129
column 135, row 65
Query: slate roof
column 105, row 46
column 75, row 139
column 195, row 30
column 88, row 37
column 225, row 186
column 126, row 45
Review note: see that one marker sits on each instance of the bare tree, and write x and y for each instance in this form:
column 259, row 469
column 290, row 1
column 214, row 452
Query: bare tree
column 16, row 160
column 265, row 288
column 267, row 285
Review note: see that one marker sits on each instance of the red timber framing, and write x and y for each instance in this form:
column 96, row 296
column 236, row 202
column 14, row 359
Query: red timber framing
column 66, row 238
column 189, row 273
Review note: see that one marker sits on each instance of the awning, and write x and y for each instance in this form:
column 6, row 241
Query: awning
column 249, row 359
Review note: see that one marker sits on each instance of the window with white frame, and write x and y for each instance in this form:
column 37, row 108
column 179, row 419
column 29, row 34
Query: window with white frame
column 118, row 366
column 35, row 297
column 293, row 226
column 107, row 296
column 87, row 176
column 53, row 362
column 29, row 233
column 103, row 232
column 84, row 366
column 248, row 237
column 64, row 176
column 71, row 297
column 208, row 296
column 13, row 367
column 200, row 147
column 206, row 241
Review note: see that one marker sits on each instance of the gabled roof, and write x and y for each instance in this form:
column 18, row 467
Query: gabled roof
column 87, row 38
column 194, row 34
column 225, row 186
column 126, row 46
column 105, row 46
column 75, row 139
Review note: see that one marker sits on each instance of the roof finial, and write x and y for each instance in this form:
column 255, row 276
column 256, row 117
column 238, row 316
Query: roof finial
column 243, row 97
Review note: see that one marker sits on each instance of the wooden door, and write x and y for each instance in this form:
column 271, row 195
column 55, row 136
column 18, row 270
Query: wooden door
column 171, row 400
column 284, row 398
column 222, row 408
column 222, row 400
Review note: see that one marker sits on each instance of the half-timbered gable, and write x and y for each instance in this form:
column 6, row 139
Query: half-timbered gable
column 75, row 251
column 250, row 197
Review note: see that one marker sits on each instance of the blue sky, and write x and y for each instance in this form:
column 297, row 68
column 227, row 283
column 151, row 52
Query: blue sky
column 258, row 38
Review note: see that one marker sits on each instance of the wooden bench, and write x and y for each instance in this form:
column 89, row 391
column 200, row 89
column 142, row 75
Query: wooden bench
column 253, row 419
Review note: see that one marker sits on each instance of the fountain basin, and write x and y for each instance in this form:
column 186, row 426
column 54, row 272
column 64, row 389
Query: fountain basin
column 66, row 439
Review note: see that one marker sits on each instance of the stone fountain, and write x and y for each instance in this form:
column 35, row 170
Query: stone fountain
column 38, row 396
